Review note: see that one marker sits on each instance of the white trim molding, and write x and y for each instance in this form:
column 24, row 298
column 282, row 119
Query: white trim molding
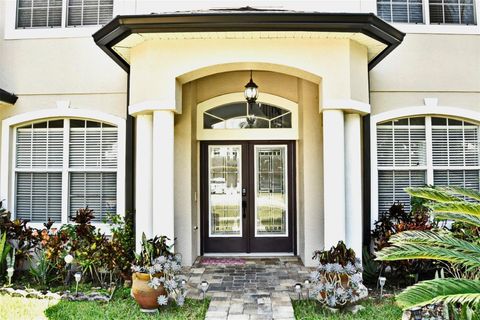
column 9, row 124
column 250, row 134
column 347, row 105
column 428, row 111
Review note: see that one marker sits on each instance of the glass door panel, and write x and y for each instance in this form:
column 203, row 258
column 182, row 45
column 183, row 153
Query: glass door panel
column 225, row 190
column 271, row 191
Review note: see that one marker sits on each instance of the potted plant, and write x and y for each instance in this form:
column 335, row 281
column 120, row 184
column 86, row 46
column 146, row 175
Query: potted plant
column 154, row 276
column 337, row 282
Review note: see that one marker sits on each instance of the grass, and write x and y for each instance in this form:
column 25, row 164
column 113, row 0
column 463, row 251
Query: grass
column 121, row 307
column 374, row 309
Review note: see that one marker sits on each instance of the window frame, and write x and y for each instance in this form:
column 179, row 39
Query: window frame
column 64, row 31
column 437, row 28
column 429, row 110
column 8, row 162
column 251, row 133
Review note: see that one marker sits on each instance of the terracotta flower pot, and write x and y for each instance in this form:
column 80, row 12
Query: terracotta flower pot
column 145, row 296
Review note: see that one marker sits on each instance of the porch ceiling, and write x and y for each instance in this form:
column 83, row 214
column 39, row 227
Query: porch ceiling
column 7, row 98
column 125, row 32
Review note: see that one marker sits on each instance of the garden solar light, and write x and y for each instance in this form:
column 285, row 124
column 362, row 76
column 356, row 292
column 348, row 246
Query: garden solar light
column 10, row 271
column 68, row 259
column 307, row 286
column 78, row 277
column 204, row 287
column 298, row 290
column 381, row 281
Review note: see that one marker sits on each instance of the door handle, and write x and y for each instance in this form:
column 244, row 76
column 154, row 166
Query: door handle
column 244, row 209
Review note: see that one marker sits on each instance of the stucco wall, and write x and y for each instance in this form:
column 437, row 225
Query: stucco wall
column 43, row 71
column 428, row 65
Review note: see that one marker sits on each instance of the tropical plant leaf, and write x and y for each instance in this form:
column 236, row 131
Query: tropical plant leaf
column 472, row 194
column 432, row 194
column 438, row 238
column 440, row 290
column 407, row 251
column 459, row 217
column 464, row 207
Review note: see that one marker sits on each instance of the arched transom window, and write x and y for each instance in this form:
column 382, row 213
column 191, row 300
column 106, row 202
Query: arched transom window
column 425, row 150
column 62, row 165
column 241, row 115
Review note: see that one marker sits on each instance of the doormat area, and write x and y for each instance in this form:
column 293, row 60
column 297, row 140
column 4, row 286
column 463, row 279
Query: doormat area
column 207, row 261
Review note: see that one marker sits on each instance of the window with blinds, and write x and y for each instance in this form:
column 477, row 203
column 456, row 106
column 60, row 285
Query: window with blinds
column 406, row 11
column 425, row 150
column 63, row 13
column 39, row 13
column 84, row 152
column 89, row 12
column 455, row 153
column 93, row 163
column 401, row 160
column 452, row 11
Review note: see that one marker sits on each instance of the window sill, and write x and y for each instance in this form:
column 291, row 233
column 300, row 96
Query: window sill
column 437, row 28
column 48, row 33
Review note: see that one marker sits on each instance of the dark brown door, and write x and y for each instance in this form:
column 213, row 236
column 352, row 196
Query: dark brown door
column 247, row 196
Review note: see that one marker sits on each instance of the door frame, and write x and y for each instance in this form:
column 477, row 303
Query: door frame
column 292, row 189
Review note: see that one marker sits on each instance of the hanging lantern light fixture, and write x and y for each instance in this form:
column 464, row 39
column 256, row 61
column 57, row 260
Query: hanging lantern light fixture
column 251, row 90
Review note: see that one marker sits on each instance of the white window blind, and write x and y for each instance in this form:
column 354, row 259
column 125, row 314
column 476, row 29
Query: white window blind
column 39, row 196
column 97, row 190
column 452, row 11
column 391, row 185
column 92, row 145
column 90, row 165
column 455, row 152
column 403, row 158
column 39, row 13
column 407, row 11
column 40, row 145
column 89, row 12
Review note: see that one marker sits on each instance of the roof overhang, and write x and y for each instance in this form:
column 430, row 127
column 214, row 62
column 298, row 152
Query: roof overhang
column 7, row 97
column 123, row 32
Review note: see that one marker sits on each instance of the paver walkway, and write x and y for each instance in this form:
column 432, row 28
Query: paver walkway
column 248, row 288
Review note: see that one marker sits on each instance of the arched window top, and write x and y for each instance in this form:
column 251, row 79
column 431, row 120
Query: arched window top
column 420, row 121
column 241, row 115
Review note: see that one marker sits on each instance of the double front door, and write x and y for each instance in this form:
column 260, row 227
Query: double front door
column 247, row 196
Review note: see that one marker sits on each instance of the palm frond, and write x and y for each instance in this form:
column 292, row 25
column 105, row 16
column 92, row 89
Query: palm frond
column 459, row 217
column 438, row 238
column 407, row 251
column 463, row 207
column 432, row 194
column 440, row 290
column 472, row 194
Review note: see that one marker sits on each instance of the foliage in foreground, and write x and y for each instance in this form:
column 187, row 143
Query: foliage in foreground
column 121, row 307
column 446, row 204
column 384, row 309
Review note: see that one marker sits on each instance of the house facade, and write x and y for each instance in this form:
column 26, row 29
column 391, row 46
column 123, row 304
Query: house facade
column 237, row 128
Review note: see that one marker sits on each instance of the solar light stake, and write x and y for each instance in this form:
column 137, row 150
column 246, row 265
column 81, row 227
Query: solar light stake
column 204, row 287
column 298, row 290
column 307, row 286
column 381, row 281
column 10, row 271
column 78, row 277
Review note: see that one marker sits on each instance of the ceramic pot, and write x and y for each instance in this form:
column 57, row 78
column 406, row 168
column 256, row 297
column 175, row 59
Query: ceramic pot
column 145, row 296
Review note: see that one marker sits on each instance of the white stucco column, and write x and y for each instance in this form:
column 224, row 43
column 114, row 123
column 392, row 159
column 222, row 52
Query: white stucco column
column 163, row 174
column 353, row 183
column 334, row 177
column 143, row 181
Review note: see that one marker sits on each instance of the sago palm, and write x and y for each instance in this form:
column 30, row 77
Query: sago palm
column 446, row 203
